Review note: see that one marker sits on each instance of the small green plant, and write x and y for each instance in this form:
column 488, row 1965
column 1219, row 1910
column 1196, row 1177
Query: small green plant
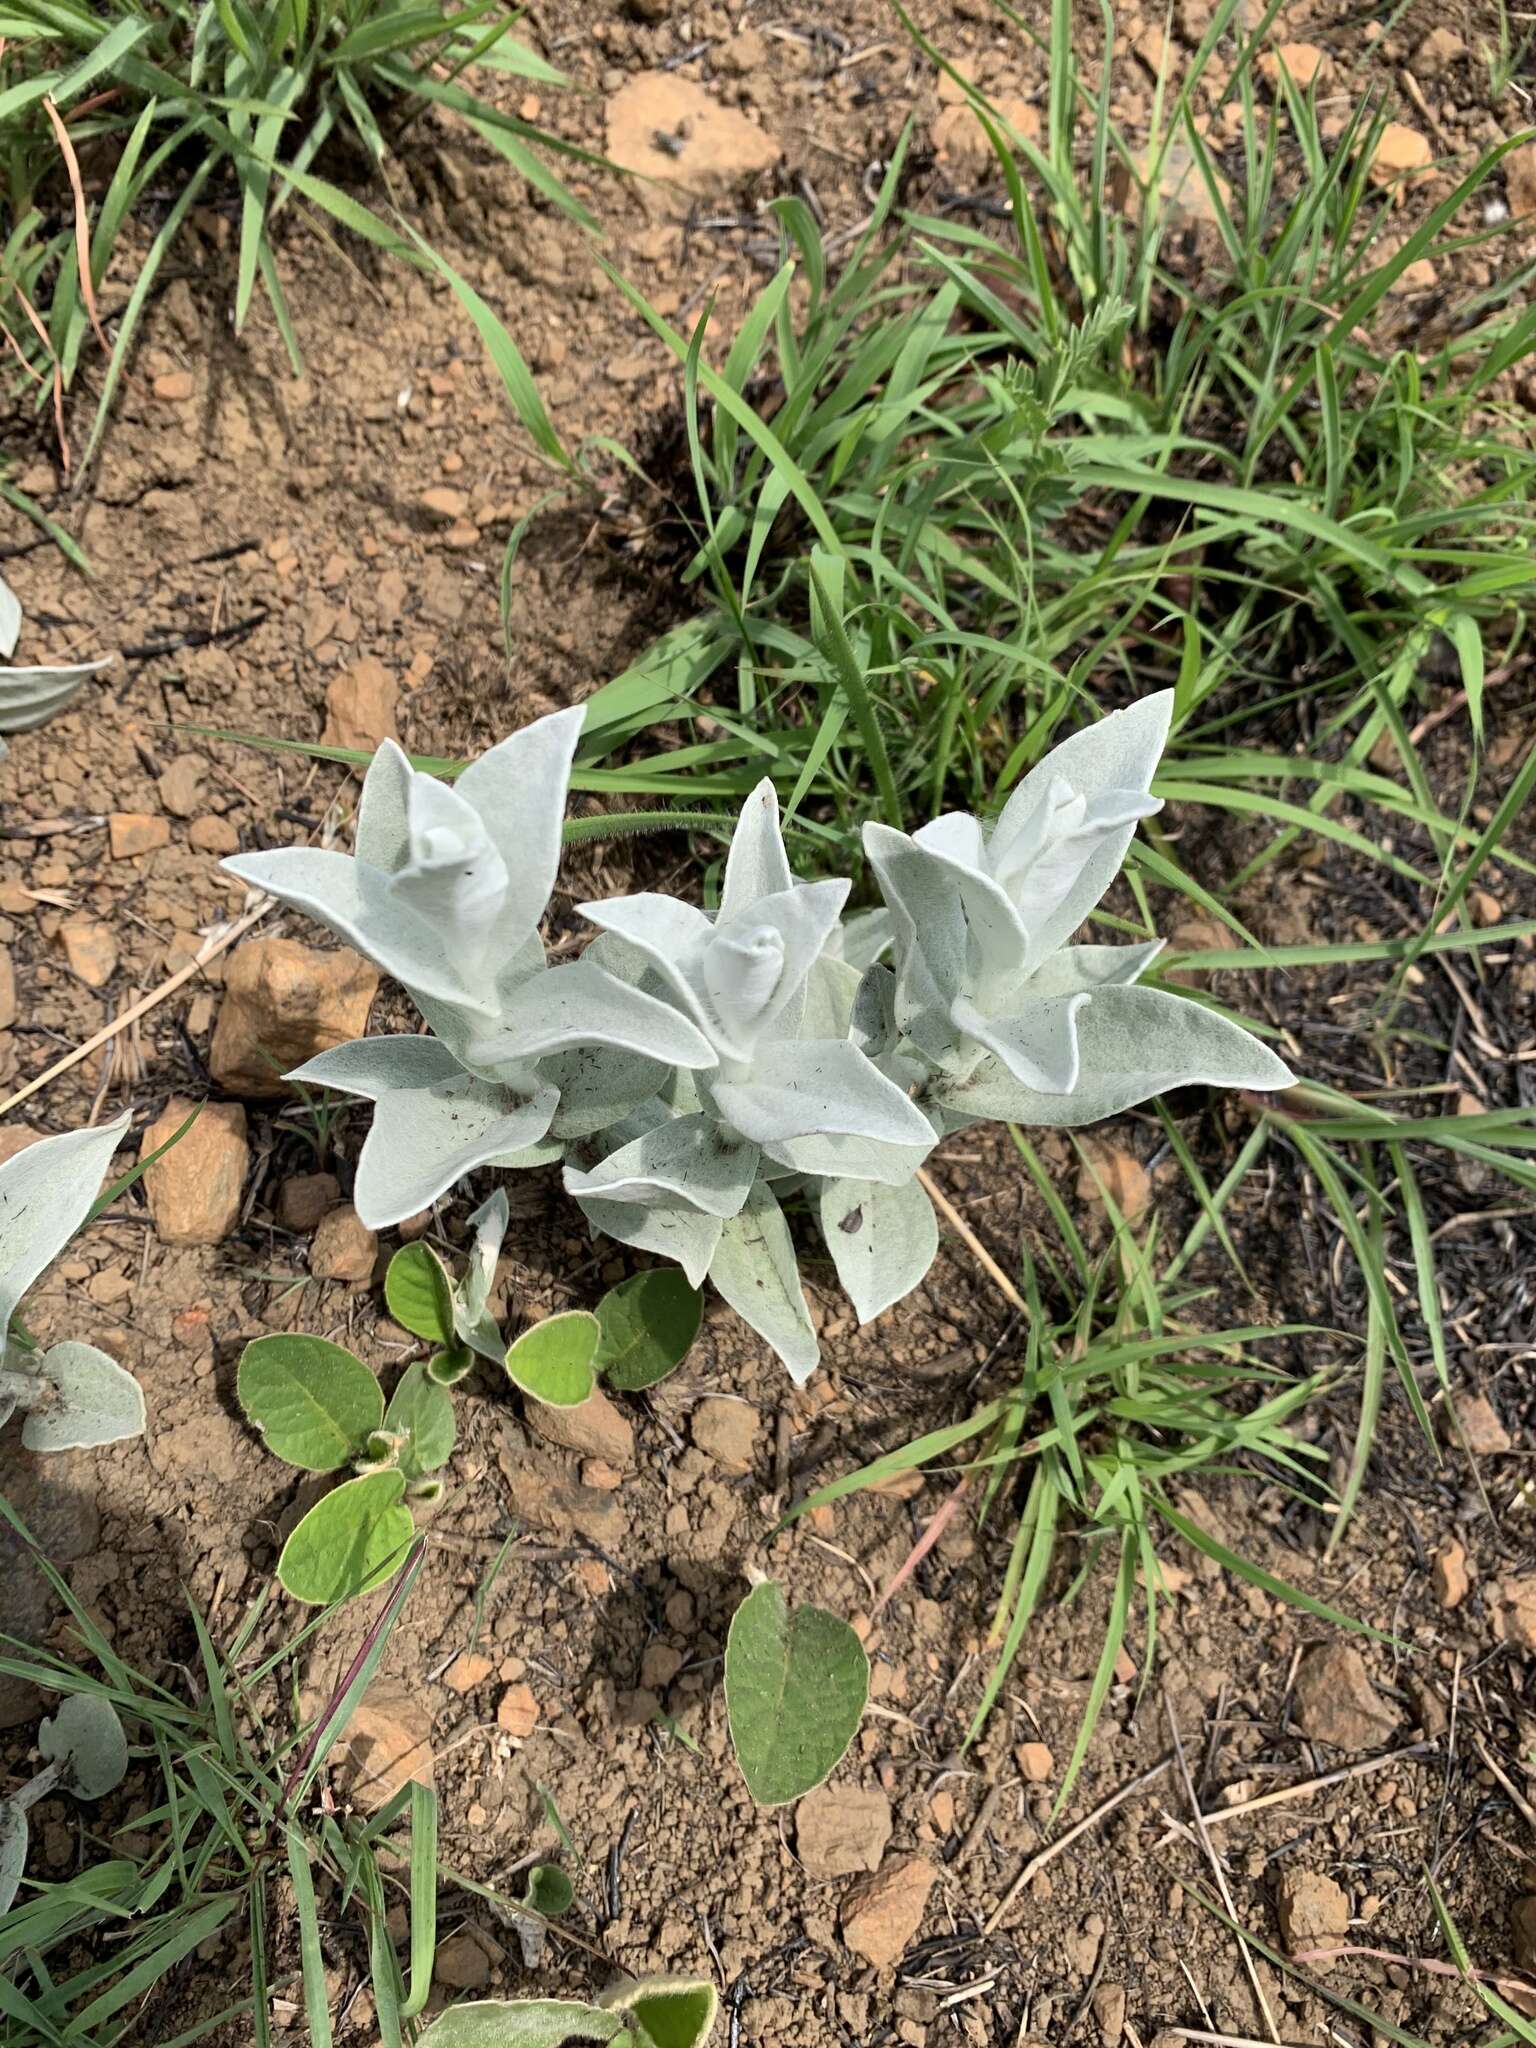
column 660, row 2013
column 321, row 1409
column 241, row 97
column 85, row 1753
column 796, row 1685
column 231, row 1820
column 318, row 1407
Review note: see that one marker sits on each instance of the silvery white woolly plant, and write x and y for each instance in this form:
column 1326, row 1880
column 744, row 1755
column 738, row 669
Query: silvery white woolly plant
column 695, row 1069
column 446, row 891
column 71, row 1396
column 789, row 1093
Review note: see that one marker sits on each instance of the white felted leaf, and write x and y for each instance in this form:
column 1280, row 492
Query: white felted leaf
column 29, row 697
column 998, row 927
column 382, row 836
column 599, row 1087
column 754, row 1268
column 1063, row 834
column 831, row 990
column 46, row 1194
column 669, row 935
column 519, row 789
column 757, row 864
column 352, row 900
column 835, row 1155
column 1133, row 1043
column 864, row 938
column 670, row 1230
column 423, row 1140
column 932, row 941
column 95, row 1401
column 1036, row 1040
column 453, row 877
column 882, row 1240
column 1071, row 970
column 10, row 620
column 580, row 1004
column 754, row 967
column 687, row 1159
column 372, row 1067
column 801, row 1087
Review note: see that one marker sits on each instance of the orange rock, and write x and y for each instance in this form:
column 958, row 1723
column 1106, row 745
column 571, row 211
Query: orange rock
column 1449, row 1574
column 1119, row 1175
column 674, row 130
column 1403, row 157
column 283, row 1003
column 360, row 707
column 1302, row 62
column 389, row 1744
column 1035, row 1762
column 90, row 949
column 174, row 387
column 518, row 1713
column 469, row 1669
column 134, row 832
column 343, row 1247
column 881, row 1916
column 194, row 1189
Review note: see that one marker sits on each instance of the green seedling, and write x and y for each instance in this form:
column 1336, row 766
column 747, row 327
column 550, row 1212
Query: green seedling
column 86, row 1754
column 424, row 1299
column 323, row 1410
column 642, row 1330
column 796, row 1684
column 665, row 2013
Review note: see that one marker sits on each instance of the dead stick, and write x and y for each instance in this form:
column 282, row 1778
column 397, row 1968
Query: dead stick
column 972, row 1243
column 209, row 951
column 1361, row 1770
column 1217, row 1871
column 1038, row 1861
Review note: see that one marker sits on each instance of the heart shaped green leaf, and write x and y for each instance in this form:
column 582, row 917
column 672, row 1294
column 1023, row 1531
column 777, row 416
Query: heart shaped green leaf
column 795, row 1686
column 672, row 2015
column 350, row 1540
column 649, row 1323
column 420, row 1294
column 553, row 1360
column 422, row 1412
column 313, row 1402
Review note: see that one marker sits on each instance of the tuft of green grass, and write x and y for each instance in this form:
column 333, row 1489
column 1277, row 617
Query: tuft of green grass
column 103, row 106
column 231, row 1812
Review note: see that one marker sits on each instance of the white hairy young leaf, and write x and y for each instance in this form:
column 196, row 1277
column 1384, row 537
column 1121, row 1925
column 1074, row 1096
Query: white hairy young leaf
column 29, row 697
column 46, row 1193
column 882, row 1240
column 92, row 1400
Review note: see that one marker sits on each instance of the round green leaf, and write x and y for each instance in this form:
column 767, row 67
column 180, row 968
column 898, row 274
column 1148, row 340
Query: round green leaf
column 553, row 1360
column 86, row 1736
column 313, row 1402
column 795, row 1686
column 422, row 1412
column 649, row 1323
column 449, row 1367
column 550, row 1892
column 671, row 2014
column 420, row 1294
column 349, row 1541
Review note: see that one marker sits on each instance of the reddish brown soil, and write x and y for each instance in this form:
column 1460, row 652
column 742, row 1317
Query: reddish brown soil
column 267, row 532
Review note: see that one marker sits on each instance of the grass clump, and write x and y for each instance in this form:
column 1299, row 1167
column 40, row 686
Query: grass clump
column 231, row 1813
column 104, row 107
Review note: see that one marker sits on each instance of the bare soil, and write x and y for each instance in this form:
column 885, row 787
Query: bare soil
column 253, row 540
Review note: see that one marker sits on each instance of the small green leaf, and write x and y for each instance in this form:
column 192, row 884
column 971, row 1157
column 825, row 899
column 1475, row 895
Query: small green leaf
column 86, row 1736
column 550, row 1892
column 420, row 1294
column 348, row 1542
column 795, row 1686
column 648, row 1324
column 422, row 1412
column 524, row 2023
column 673, row 2015
column 553, row 1360
column 448, row 1367
column 314, row 1403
